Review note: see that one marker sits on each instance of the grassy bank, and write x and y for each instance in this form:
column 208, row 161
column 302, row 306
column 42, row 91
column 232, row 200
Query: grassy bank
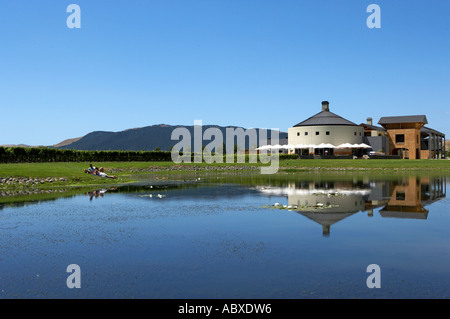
column 388, row 164
column 69, row 178
column 74, row 174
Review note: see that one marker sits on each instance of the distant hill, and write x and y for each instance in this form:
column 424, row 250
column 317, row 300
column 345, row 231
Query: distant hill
column 143, row 138
column 19, row 145
column 67, row 142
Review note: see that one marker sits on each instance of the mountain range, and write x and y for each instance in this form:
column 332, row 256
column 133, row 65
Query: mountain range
column 146, row 138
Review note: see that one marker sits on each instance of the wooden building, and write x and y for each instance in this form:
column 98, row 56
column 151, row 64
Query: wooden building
column 410, row 138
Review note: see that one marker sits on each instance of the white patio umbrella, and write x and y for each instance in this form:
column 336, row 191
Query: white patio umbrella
column 276, row 147
column 362, row 145
column 288, row 146
column 265, row 147
column 305, row 146
column 346, row 145
column 325, row 145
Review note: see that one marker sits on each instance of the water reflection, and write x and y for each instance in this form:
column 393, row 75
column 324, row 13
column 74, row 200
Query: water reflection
column 410, row 196
column 99, row 193
column 328, row 202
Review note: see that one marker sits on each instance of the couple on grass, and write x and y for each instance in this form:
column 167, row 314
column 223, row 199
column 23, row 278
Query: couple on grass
column 98, row 172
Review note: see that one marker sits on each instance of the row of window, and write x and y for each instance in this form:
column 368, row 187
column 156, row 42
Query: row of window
column 326, row 133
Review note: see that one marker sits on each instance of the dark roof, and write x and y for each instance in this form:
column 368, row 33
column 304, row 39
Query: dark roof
column 373, row 127
column 403, row 119
column 325, row 118
column 428, row 130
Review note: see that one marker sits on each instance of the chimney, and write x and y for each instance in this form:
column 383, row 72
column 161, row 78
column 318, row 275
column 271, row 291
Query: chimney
column 369, row 121
column 325, row 106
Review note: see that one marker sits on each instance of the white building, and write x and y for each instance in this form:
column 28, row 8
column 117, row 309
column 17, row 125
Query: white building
column 325, row 127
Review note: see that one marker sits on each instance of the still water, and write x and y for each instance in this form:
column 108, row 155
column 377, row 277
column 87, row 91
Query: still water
column 225, row 236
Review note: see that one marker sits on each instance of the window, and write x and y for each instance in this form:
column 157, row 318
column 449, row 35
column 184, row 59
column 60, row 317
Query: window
column 355, row 133
column 399, row 138
column 306, row 133
column 400, row 196
column 327, row 133
column 298, row 133
column 317, row 133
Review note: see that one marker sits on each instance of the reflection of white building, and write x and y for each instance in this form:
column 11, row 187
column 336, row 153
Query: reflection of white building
column 324, row 205
column 327, row 203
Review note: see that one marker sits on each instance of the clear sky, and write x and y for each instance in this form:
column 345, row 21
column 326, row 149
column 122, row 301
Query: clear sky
column 250, row 63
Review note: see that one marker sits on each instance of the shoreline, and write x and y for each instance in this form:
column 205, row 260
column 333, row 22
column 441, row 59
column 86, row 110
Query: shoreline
column 47, row 183
column 71, row 174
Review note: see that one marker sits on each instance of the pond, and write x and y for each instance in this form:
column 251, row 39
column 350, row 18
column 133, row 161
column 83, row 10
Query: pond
column 289, row 236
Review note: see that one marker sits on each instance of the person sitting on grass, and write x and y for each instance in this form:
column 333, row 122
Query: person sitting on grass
column 98, row 173
column 91, row 168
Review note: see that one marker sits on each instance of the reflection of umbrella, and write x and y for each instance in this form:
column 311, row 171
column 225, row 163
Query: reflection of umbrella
column 362, row 145
column 278, row 146
column 288, row 146
column 325, row 145
column 265, row 147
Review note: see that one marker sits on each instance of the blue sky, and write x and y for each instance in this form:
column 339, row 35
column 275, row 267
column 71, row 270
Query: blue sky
column 250, row 63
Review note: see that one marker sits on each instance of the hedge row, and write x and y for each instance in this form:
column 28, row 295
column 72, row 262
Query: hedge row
column 40, row 155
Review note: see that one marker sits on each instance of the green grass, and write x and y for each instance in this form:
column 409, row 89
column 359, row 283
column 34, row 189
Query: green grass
column 74, row 172
column 369, row 164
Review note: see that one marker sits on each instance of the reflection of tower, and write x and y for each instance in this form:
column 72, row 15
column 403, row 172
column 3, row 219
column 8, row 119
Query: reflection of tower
column 326, row 219
column 411, row 194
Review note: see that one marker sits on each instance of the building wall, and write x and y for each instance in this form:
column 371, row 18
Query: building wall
column 377, row 133
column 411, row 143
column 338, row 134
column 425, row 154
column 377, row 143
